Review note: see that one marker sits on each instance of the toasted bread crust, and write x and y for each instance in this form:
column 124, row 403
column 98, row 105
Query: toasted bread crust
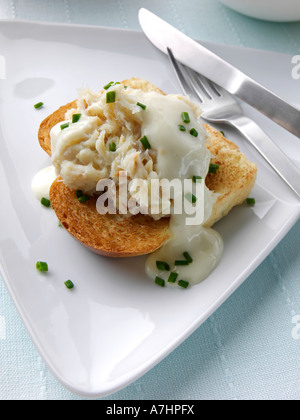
column 235, row 178
column 50, row 122
column 109, row 235
column 139, row 235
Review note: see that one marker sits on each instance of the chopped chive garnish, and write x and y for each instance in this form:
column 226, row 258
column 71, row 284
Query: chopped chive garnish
column 160, row 282
column 63, row 126
column 106, row 87
column 183, row 283
column 161, row 265
column 60, row 225
column 83, row 198
column 142, row 105
column 181, row 262
column 197, row 178
column 111, row 97
column 172, row 277
column 191, row 198
column 181, row 127
column 185, row 117
column 69, row 284
column 39, row 105
column 45, row 202
column 194, row 132
column 42, row 266
column 213, row 168
column 188, row 257
column 145, row 143
column 79, row 193
column 250, row 201
column 223, row 134
column 76, row 118
column 112, row 147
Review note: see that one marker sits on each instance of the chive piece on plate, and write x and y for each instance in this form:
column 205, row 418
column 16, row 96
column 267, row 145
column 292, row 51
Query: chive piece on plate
column 181, row 262
column 197, row 178
column 42, row 266
column 106, row 87
column 213, row 168
column 191, row 198
column 194, row 132
column 160, row 282
column 145, row 142
column 162, row 265
column 112, row 147
column 181, row 127
column 173, row 278
column 39, row 105
column 222, row 132
column 45, row 202
column 188, row 257
column 144, row 107
column 111, row 97
column 69, row 284
column 63, row 126
column 185, row 117
column 250, row 201
column 184, row 284
column 76, row 118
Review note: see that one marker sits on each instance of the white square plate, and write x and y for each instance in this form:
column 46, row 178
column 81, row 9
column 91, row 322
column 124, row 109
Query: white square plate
column 116, row 324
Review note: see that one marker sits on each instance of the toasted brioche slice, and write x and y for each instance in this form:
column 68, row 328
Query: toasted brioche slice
column 50, row 122
column 114, row 236
column 109, row 235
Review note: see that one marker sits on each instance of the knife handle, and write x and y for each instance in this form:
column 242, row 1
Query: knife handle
column 269, row 150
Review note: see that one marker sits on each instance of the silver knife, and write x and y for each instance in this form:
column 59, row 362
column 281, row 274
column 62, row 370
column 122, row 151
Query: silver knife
column 205, row 62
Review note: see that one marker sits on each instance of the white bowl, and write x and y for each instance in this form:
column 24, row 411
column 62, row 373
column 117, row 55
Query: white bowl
column 272, row 10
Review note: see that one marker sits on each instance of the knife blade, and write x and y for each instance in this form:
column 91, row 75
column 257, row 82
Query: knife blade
column 202, row 60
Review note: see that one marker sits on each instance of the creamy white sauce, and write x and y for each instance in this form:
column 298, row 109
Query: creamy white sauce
column 82, row 158
column 180, row 155
column 42, row 182
column 205, row 246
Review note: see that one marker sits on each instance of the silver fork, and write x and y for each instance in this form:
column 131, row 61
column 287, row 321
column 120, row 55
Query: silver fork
column 219, row 106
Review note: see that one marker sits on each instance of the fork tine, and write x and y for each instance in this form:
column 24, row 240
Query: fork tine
column 210, row 86
column 184, row 78
column 199, row 84
column 194, row 84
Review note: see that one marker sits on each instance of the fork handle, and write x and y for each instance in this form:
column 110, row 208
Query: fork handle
column 269, row 150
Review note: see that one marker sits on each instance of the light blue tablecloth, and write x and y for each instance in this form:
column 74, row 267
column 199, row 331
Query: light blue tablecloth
column 250, row 348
